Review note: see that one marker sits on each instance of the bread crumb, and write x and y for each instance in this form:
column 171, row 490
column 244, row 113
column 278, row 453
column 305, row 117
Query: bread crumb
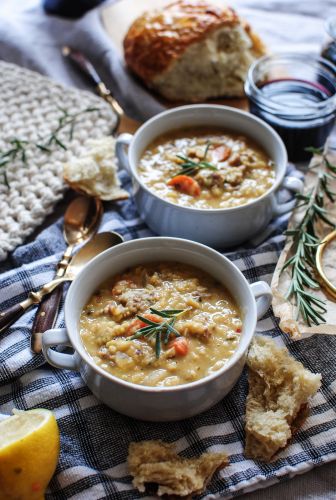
column 95, row 171
column 279, row 388
column 157, row 462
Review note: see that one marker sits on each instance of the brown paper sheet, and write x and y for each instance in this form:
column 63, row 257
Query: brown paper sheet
column 285, row 310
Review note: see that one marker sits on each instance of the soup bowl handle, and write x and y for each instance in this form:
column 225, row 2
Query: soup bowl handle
column 122, row 141
column 292, row 184
column 263, row 297
column 52, row 338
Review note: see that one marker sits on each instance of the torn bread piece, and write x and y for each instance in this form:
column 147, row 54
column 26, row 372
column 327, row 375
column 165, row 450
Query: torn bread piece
column 157, row 462
column 95, row 171
column 279, row 389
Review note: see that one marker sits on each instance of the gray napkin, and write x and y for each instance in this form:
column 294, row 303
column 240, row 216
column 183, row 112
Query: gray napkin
column 31, row 38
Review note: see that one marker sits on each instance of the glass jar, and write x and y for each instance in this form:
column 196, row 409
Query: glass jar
column 69, row 8
column 296, row 95
column 329, row 50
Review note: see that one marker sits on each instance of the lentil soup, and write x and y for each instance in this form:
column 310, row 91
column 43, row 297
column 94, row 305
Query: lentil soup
column 203, row 332
column 206, row 168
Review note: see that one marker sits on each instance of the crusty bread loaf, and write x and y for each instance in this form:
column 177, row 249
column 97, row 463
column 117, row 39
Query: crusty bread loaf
column 192, row 50
column 279, row 388
column 157, row 462
column 95, row 172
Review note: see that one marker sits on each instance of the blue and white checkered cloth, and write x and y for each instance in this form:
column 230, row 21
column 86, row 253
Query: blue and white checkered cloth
column 95, row 439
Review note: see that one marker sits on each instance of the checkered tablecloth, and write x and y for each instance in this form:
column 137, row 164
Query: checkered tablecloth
column 94, row 438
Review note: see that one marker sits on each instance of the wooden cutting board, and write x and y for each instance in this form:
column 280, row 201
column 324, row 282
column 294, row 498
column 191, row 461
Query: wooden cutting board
column 116, row 20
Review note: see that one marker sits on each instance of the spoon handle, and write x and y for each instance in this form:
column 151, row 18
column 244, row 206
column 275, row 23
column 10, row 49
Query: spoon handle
column 47, row 310
column 45, row 318
column 13, row 313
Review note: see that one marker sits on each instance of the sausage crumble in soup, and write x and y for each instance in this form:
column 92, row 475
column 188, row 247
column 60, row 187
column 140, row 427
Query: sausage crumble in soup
column 206, row 169
column 205, row 325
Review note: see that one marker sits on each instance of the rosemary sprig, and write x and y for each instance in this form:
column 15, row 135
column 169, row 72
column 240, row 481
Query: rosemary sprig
column 159, row 331
column 190, row 167
column 19, row 147
column 305, row 241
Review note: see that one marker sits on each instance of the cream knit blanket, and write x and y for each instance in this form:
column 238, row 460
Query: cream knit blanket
column 30, row 108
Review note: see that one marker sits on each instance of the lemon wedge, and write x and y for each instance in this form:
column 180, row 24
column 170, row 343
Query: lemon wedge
column 29, row 450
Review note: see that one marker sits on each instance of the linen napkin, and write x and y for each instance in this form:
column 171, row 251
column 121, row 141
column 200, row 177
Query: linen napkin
column 94, row 438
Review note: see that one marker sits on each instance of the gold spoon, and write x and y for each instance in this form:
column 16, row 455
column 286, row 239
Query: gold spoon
column 326, row 283
column 95, row 246
column 81, row 220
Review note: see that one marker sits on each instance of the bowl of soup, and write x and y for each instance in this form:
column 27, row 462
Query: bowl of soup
column 208, row 173
column 160, row 327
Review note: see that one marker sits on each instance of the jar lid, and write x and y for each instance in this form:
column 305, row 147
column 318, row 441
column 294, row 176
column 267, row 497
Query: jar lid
column 331, row 27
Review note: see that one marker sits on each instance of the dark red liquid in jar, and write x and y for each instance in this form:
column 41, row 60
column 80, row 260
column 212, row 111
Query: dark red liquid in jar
column 293, row 119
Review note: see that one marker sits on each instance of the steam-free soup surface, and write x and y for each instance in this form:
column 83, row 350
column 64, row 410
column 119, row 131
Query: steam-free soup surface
column 220, row 169
column 207, row 328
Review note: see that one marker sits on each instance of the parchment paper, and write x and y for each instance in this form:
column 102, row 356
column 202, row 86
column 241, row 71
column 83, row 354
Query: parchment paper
column 285, row 310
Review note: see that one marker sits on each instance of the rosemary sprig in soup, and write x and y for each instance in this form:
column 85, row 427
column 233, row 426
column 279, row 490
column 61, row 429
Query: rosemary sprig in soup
column 206, row 168
column 143, row 303
column 160, row 326
column 190, row 167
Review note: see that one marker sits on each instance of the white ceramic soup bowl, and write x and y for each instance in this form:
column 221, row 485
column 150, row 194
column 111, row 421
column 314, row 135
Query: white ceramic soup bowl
column 156, row 403
column 218, row 228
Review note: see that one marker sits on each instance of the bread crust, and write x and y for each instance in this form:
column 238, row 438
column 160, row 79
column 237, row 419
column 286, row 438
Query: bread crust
column 157, row 462
column 157, row 38
column 277, row 402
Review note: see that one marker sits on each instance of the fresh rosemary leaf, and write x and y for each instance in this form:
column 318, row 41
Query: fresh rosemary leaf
column 173, row 312
column 291, row 232
column 166, row 337
column 158, row 344
column 185, row 171
column 288, row 262
column 206, row 164
column 305, row 241
column 315, row 151
column 90, row 110
column 145, row 329
column 43, row 148
column 172, row 330
column 186, row 159
column 159, row 331
column 147, row 321
column 18, row 149
column 6, row 179
column 190, row 167
column 60, row 143
column 71, row 131
column 206, row 150
column 138, row 334
column 166, row 313
column 11, row 152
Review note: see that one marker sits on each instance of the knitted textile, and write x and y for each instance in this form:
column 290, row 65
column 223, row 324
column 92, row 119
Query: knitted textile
column 30, row 109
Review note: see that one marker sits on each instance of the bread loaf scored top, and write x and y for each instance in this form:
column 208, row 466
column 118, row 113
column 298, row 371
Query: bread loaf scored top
column 191, row 50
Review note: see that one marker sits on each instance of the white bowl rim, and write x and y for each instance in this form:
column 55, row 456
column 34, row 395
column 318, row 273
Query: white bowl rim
column 240, row 351
column 246, row 115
